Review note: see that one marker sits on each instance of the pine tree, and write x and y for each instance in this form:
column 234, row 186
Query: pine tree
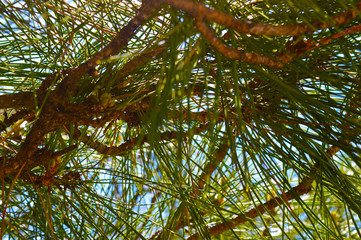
column 180, row 119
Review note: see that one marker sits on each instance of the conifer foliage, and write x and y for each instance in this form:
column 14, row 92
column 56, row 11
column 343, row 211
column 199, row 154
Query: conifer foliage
column 180, row 119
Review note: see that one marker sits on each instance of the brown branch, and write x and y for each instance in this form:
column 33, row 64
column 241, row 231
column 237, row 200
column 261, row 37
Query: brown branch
column 302, row 188
column 102, row 148
column 48, row 81
column 27, row 99
column 200, row 117
column 235, row 54
column 40, row 158
column 248, row 27
column 64, row 151
column 201, row 12
column 129, row 144
column 17, row 100
column 91, row 114
column 294, row 50
column 22, row 114
column 48, row 119
column 120, row 41
column 313, row 45
column 45, row 180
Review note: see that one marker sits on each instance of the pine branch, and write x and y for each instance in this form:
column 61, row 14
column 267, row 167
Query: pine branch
column 199, row 10
column 302, row 188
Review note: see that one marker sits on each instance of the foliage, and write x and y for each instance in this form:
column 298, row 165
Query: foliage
column 180, row 119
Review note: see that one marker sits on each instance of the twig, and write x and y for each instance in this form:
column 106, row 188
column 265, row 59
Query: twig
column 232, row 53
column 248, row 27
column 48, row 119
column 295, row 192
column 22, row 114
column 325, row 41
column 301, row 189
column 120, row 41
column 129, row 144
